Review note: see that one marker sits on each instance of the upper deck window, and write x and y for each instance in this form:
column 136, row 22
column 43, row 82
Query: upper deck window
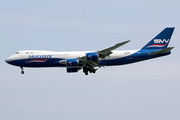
column 17, row 53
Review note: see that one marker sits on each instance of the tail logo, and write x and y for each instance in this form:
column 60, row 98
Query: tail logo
column 161, row 41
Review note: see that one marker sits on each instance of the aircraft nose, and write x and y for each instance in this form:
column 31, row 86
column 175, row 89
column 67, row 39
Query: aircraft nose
column 7, row 60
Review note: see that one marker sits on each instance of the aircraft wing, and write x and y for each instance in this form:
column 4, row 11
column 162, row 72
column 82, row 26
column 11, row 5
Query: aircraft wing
column 102, row 54
column 106, row 52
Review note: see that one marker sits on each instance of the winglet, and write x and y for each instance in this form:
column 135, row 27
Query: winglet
column 122, row 43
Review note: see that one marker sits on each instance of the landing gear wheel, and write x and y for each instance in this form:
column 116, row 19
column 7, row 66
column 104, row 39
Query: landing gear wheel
column 22, row 72
column 86, row 73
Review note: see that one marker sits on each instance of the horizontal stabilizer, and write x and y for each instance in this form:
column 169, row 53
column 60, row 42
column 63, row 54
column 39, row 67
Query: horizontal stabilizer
column 163, row 51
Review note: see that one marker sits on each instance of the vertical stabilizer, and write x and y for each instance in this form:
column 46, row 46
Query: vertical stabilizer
column 161, row 41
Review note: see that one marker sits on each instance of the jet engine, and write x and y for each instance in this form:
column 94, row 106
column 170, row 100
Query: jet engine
column 70, row 69
column 92, row 56
column 72, row 62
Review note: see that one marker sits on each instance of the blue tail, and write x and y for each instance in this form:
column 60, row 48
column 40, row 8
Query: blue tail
column 161, row 41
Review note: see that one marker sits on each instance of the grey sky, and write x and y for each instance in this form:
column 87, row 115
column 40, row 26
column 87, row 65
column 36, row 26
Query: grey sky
column 145, row 90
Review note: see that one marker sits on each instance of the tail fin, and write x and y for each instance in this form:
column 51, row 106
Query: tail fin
column 161, row 41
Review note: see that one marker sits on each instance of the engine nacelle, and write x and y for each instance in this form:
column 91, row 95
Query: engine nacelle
column 70, row 69
column 72, row 62
column 92, row 56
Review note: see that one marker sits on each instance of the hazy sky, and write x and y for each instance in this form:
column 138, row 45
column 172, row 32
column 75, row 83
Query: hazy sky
column 148, row 90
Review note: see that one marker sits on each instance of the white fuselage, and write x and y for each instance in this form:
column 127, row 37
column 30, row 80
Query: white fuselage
column 25, row 54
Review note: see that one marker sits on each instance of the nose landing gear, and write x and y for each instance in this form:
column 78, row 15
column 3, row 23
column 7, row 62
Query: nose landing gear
column 22, row 71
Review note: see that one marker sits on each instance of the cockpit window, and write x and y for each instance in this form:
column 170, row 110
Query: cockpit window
column 17, row 53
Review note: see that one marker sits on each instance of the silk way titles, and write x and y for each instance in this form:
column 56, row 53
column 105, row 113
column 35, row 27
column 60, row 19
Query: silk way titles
column 40, row 56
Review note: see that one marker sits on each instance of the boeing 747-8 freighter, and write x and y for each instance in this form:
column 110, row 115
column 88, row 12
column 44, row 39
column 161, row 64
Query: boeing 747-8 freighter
column 90, row 61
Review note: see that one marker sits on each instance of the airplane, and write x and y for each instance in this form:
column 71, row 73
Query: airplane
column 90, row 61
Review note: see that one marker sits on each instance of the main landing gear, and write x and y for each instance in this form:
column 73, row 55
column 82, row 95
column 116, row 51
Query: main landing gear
column 88, row 69
column 22, row 71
